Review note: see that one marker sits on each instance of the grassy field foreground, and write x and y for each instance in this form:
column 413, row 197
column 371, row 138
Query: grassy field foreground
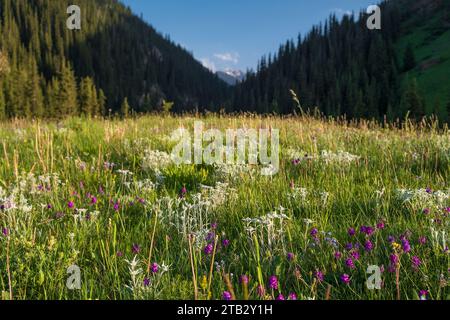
column 102, row 197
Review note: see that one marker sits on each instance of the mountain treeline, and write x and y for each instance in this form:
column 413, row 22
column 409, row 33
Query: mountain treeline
column 51, row 71
column 340, row 67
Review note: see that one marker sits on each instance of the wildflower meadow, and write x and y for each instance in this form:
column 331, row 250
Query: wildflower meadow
column 97, row 209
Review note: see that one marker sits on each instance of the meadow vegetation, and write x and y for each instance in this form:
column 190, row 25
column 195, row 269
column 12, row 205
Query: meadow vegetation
column 103, row 194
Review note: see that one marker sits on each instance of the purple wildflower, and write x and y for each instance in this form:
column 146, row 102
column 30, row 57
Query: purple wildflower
column 416, row 262
column 183, row 192
column 225, row 242
column 345, row 278
column 70, row 204
column 93, row 200
column 280, row 297
column 367, row 230
column 210, row 236
column 290, row 256
column 426, row 211
column 391, row 239
column 355, row 255
column 351, row 232
column 319, row 275
column 292, row 296
column 136, row 248
column 349, row 246
column 154, row 267
column 314, row 232
column 368, row 245
column 380, row 225
column 349, row 263
column 273, row 282
column 406, row 245
column 5, row 231
column 146, row 282
column 119, row 254
column 208, row 249
column 394, row 259
column 116, row 206
column 244, row 279
column 423, row 240
column 338, row 255
column 226, row 296
column 423, row 294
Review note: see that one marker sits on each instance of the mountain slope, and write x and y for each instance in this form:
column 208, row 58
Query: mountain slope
column 341, row 67
column 428, row 33
column 117, row 51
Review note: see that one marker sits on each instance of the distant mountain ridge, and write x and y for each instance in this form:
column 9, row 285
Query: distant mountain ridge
column 231, row 77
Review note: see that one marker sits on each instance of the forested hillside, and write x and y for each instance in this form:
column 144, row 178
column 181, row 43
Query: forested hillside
column 117, row 63
column 342, row 67
column 48, row 70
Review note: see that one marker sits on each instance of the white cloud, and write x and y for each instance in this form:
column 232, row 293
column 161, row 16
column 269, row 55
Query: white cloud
column 208, row 64
column 228, row 57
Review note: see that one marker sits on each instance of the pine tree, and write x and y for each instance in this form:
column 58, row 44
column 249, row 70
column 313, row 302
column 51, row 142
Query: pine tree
column 68, row 91
column 125, row 108
column 412, row 100
column 88, row 97
column 33, row 91
column 409, row 59
column 101, row 103
column 53, row 99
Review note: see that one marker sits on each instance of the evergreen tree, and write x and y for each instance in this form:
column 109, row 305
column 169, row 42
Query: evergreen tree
column 125, row 56
column 412, row 100
column 33, row 91
column 68, row 91
column 101, row 103
column 125, row 108
column 53, row 99
column 409, row 59
column 88, row 97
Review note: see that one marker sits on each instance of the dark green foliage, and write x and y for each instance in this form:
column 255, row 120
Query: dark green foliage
column 118, row 52
column 342, row 68
column 412, row 101
column 409, row 59
column 125, row 108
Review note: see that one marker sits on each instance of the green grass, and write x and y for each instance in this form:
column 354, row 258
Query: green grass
column 430, row 39
column 43, row 242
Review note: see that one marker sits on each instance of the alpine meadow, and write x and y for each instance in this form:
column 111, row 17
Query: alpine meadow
column 132, row 170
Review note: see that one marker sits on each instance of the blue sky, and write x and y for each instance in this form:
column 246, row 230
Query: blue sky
column 235, row 34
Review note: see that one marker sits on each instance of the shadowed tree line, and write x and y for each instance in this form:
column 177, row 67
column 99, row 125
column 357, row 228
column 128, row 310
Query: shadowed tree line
column 49, row 70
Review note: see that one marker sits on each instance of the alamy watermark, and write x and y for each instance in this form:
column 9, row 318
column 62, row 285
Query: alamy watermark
column 74, row 20
column 74, row 279
column 235, row 146
column 374, row 281
column 374, row 20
